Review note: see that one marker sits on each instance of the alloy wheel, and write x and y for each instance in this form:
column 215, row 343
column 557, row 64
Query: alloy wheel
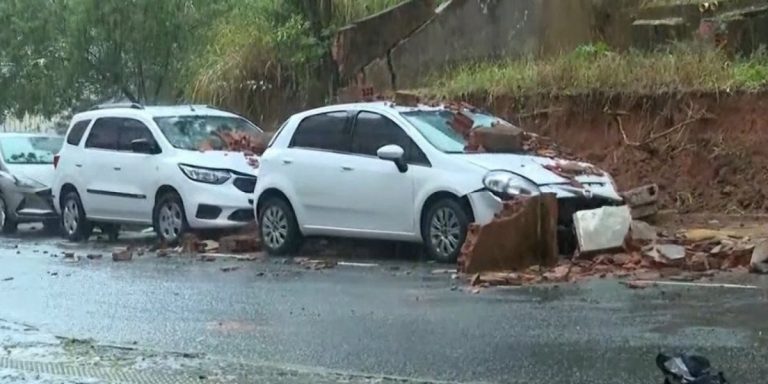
column 445, row 232
column 274, row 227
column 71, row 217
column 171, row 221
column 3, row 218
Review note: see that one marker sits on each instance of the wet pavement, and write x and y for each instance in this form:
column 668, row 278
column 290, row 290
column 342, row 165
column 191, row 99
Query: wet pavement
column 397, row 321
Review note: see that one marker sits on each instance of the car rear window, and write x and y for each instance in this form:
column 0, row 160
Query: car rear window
column 77, row 132
column 327, row 131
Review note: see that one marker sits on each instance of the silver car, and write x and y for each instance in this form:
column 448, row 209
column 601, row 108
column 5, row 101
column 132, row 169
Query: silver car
column 26, row 173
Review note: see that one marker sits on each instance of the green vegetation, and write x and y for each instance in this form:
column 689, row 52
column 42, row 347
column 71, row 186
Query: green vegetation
column 56, row 55
column 267, row 58
column 596, row 68
column 271, row 55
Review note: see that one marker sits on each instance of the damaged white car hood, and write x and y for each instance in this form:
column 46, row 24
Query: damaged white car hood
column 232, row 161
column 532, row 168
column 40, row 173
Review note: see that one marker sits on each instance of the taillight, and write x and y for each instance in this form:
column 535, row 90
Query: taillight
column 55, row 160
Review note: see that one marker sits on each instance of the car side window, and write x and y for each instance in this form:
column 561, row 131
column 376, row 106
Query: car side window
column 130, row 130
column 77, row 132
column 103, row 134
column 373, row 131
column 327, row 131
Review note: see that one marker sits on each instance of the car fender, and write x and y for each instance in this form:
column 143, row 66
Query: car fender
column 281, row 183
column 458, row 184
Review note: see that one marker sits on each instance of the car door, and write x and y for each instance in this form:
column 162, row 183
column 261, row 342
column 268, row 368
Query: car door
column 97, row 165
column 378, row 197
column 136, row 173
column 312, row 165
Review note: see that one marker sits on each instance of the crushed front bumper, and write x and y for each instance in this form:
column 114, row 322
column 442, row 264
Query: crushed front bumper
column 485, row 205
column 30, row 205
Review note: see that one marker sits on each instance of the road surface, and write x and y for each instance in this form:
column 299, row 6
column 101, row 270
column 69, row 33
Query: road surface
column 394, row 321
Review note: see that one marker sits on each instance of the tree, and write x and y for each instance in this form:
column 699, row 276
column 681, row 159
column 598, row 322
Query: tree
column 59, row 53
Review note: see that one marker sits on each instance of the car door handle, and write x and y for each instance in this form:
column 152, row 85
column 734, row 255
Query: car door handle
column 79, row 165
column 117, row 168
column 346, row 168
column 287, row 161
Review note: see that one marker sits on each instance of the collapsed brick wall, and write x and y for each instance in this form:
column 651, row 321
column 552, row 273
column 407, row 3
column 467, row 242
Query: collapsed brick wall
column 705, row 151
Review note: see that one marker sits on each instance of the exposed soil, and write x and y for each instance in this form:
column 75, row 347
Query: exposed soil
column 707, row 152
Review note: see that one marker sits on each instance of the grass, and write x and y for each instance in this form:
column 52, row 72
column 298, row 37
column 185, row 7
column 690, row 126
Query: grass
column 263, row 53
column 595, row 68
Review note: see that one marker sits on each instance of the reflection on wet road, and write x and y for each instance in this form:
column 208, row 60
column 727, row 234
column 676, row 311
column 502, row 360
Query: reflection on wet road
column 395, row 319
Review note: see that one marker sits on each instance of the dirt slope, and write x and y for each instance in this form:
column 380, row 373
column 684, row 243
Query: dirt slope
column 708, row 152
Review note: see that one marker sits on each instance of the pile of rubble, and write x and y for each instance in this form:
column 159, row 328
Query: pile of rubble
column 646, row 254
column 497, row 137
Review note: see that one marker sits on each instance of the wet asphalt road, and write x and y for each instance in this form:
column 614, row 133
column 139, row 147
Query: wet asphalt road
column 396, row 319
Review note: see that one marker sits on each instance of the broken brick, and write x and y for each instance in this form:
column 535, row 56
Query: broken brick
column 500, row 138
column 645, row 195
column 122, row 254
column 514, row 242
column 697, row 263
column 239, row 244
column 559, row 273
column 622, row 258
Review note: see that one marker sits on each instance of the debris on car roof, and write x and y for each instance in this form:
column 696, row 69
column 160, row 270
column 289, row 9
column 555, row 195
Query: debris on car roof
column 240, row 142
column 498, row 137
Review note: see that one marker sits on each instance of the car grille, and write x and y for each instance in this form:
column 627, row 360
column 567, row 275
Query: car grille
column 245, row 184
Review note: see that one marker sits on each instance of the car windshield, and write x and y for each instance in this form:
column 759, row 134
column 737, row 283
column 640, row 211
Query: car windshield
column 30, row 150
column 196, row 132
column 435, row 127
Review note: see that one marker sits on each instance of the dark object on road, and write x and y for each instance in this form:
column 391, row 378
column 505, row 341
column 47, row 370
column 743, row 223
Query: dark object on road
column 688, row 369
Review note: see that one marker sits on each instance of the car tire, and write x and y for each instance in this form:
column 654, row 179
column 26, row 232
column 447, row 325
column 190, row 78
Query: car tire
column 74, row 222
column 444, row 230
column 7, row 225
column 169, row 219
column 278, row 228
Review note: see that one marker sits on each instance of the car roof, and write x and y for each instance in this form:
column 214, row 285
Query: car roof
column 375, row 106
column 154, row 111
column 28, row 134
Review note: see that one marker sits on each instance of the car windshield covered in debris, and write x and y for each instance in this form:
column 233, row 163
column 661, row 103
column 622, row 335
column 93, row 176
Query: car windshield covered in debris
column 30, row 149
column 199, row 132
column 435, row 125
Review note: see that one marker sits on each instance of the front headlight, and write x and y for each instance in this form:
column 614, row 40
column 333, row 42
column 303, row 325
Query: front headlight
column 205, row 175
column 506, row 183
column 24, row 182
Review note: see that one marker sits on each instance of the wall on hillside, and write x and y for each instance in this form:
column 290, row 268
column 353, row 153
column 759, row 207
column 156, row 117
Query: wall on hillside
column 363, row 41
column 462, row 31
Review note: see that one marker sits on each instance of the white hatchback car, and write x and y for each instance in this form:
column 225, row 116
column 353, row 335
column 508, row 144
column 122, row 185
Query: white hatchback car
column 380, row 171
column 168, row 167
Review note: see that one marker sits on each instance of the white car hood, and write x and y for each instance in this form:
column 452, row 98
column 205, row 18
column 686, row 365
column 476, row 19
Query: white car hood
column 530, row 167
column 233, row 161
column 41, row 173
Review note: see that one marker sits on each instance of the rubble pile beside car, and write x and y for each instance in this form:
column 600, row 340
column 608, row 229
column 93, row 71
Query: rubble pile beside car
column 523, row 234
column 685, row 256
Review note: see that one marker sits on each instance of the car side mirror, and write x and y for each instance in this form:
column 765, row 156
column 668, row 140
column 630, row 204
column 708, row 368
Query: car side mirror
column 395, row 154
column 142, row 146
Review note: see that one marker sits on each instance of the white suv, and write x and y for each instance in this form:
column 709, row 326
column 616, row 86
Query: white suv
column 163, row 166
column 380, row 171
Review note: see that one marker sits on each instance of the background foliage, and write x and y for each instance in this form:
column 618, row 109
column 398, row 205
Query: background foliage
column 247, row 55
